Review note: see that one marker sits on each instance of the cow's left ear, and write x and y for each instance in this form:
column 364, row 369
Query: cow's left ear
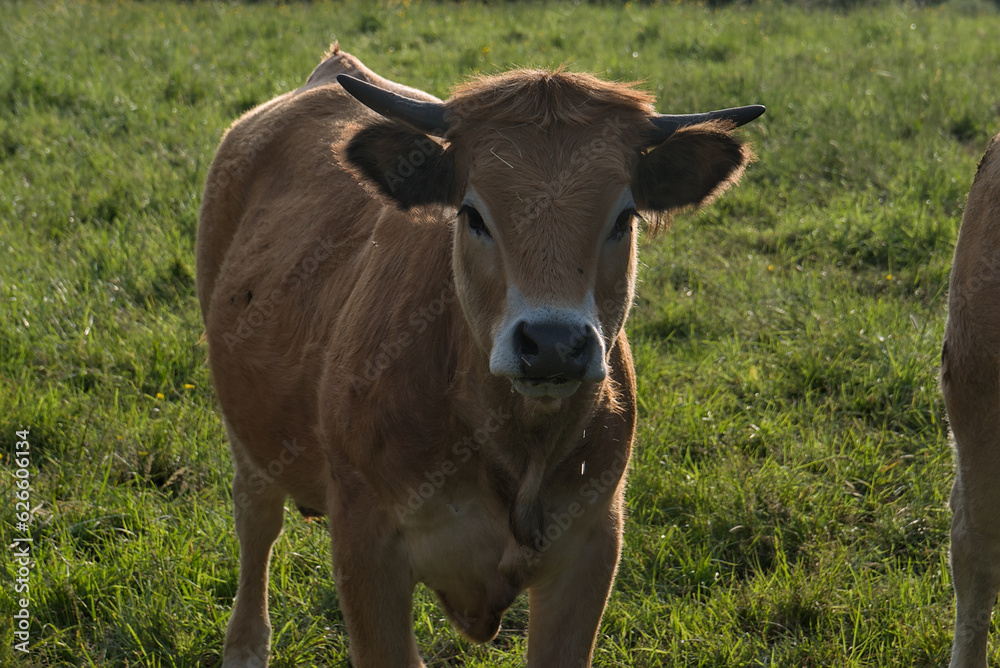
column 690, row 168
column 405, row 165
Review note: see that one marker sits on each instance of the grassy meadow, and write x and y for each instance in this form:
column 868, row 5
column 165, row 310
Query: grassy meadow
column 788, row 497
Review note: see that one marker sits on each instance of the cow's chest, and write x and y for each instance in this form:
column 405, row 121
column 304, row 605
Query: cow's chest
column 460, row 545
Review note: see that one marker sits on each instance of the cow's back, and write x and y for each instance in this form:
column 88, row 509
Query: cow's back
column 261, row 150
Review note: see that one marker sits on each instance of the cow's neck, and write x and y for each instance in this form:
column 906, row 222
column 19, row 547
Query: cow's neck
column 524, row 441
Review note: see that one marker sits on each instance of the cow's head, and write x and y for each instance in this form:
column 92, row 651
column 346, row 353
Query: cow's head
column 547, row 172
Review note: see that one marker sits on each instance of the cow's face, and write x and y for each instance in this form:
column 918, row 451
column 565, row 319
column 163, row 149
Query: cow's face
column 544, row 234
column 544, row 251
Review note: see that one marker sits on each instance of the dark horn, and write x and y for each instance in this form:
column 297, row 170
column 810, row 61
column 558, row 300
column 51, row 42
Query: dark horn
column 428, row 117
column 667, row 124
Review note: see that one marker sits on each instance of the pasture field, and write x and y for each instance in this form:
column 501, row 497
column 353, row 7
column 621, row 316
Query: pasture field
column 788, row 498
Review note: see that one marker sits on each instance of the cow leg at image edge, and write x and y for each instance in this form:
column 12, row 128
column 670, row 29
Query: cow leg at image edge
column 975, row 562
column 975, row 542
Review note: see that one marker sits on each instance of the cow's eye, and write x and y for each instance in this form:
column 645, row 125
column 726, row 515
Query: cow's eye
column 475, row 221
column 623, row 224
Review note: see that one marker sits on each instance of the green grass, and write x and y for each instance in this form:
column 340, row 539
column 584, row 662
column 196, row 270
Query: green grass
column 788, row 503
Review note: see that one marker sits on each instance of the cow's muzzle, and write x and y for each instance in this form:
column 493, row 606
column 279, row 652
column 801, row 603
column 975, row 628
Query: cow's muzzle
column 549, row 357
column 546, row 350
column 556, row 352
column 554, row 358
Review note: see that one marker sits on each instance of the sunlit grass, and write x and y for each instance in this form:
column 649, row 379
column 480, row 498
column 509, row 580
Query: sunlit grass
column 788, row 495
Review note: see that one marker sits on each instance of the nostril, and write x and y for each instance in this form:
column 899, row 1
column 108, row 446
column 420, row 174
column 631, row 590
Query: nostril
column 526, row 345
column 578, row 345
column 573, row 351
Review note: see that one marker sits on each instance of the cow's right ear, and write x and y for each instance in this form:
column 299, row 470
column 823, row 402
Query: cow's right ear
column 405, row 165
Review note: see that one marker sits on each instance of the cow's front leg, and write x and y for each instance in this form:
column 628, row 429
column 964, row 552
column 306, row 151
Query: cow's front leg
column 566, row 611
column 375, row 585
column 258, row 509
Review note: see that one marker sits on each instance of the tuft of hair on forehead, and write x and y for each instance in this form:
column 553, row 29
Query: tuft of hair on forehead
column 545, row 97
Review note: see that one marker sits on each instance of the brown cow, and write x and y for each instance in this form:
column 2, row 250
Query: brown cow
column 970, row 380
column 415, row 327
